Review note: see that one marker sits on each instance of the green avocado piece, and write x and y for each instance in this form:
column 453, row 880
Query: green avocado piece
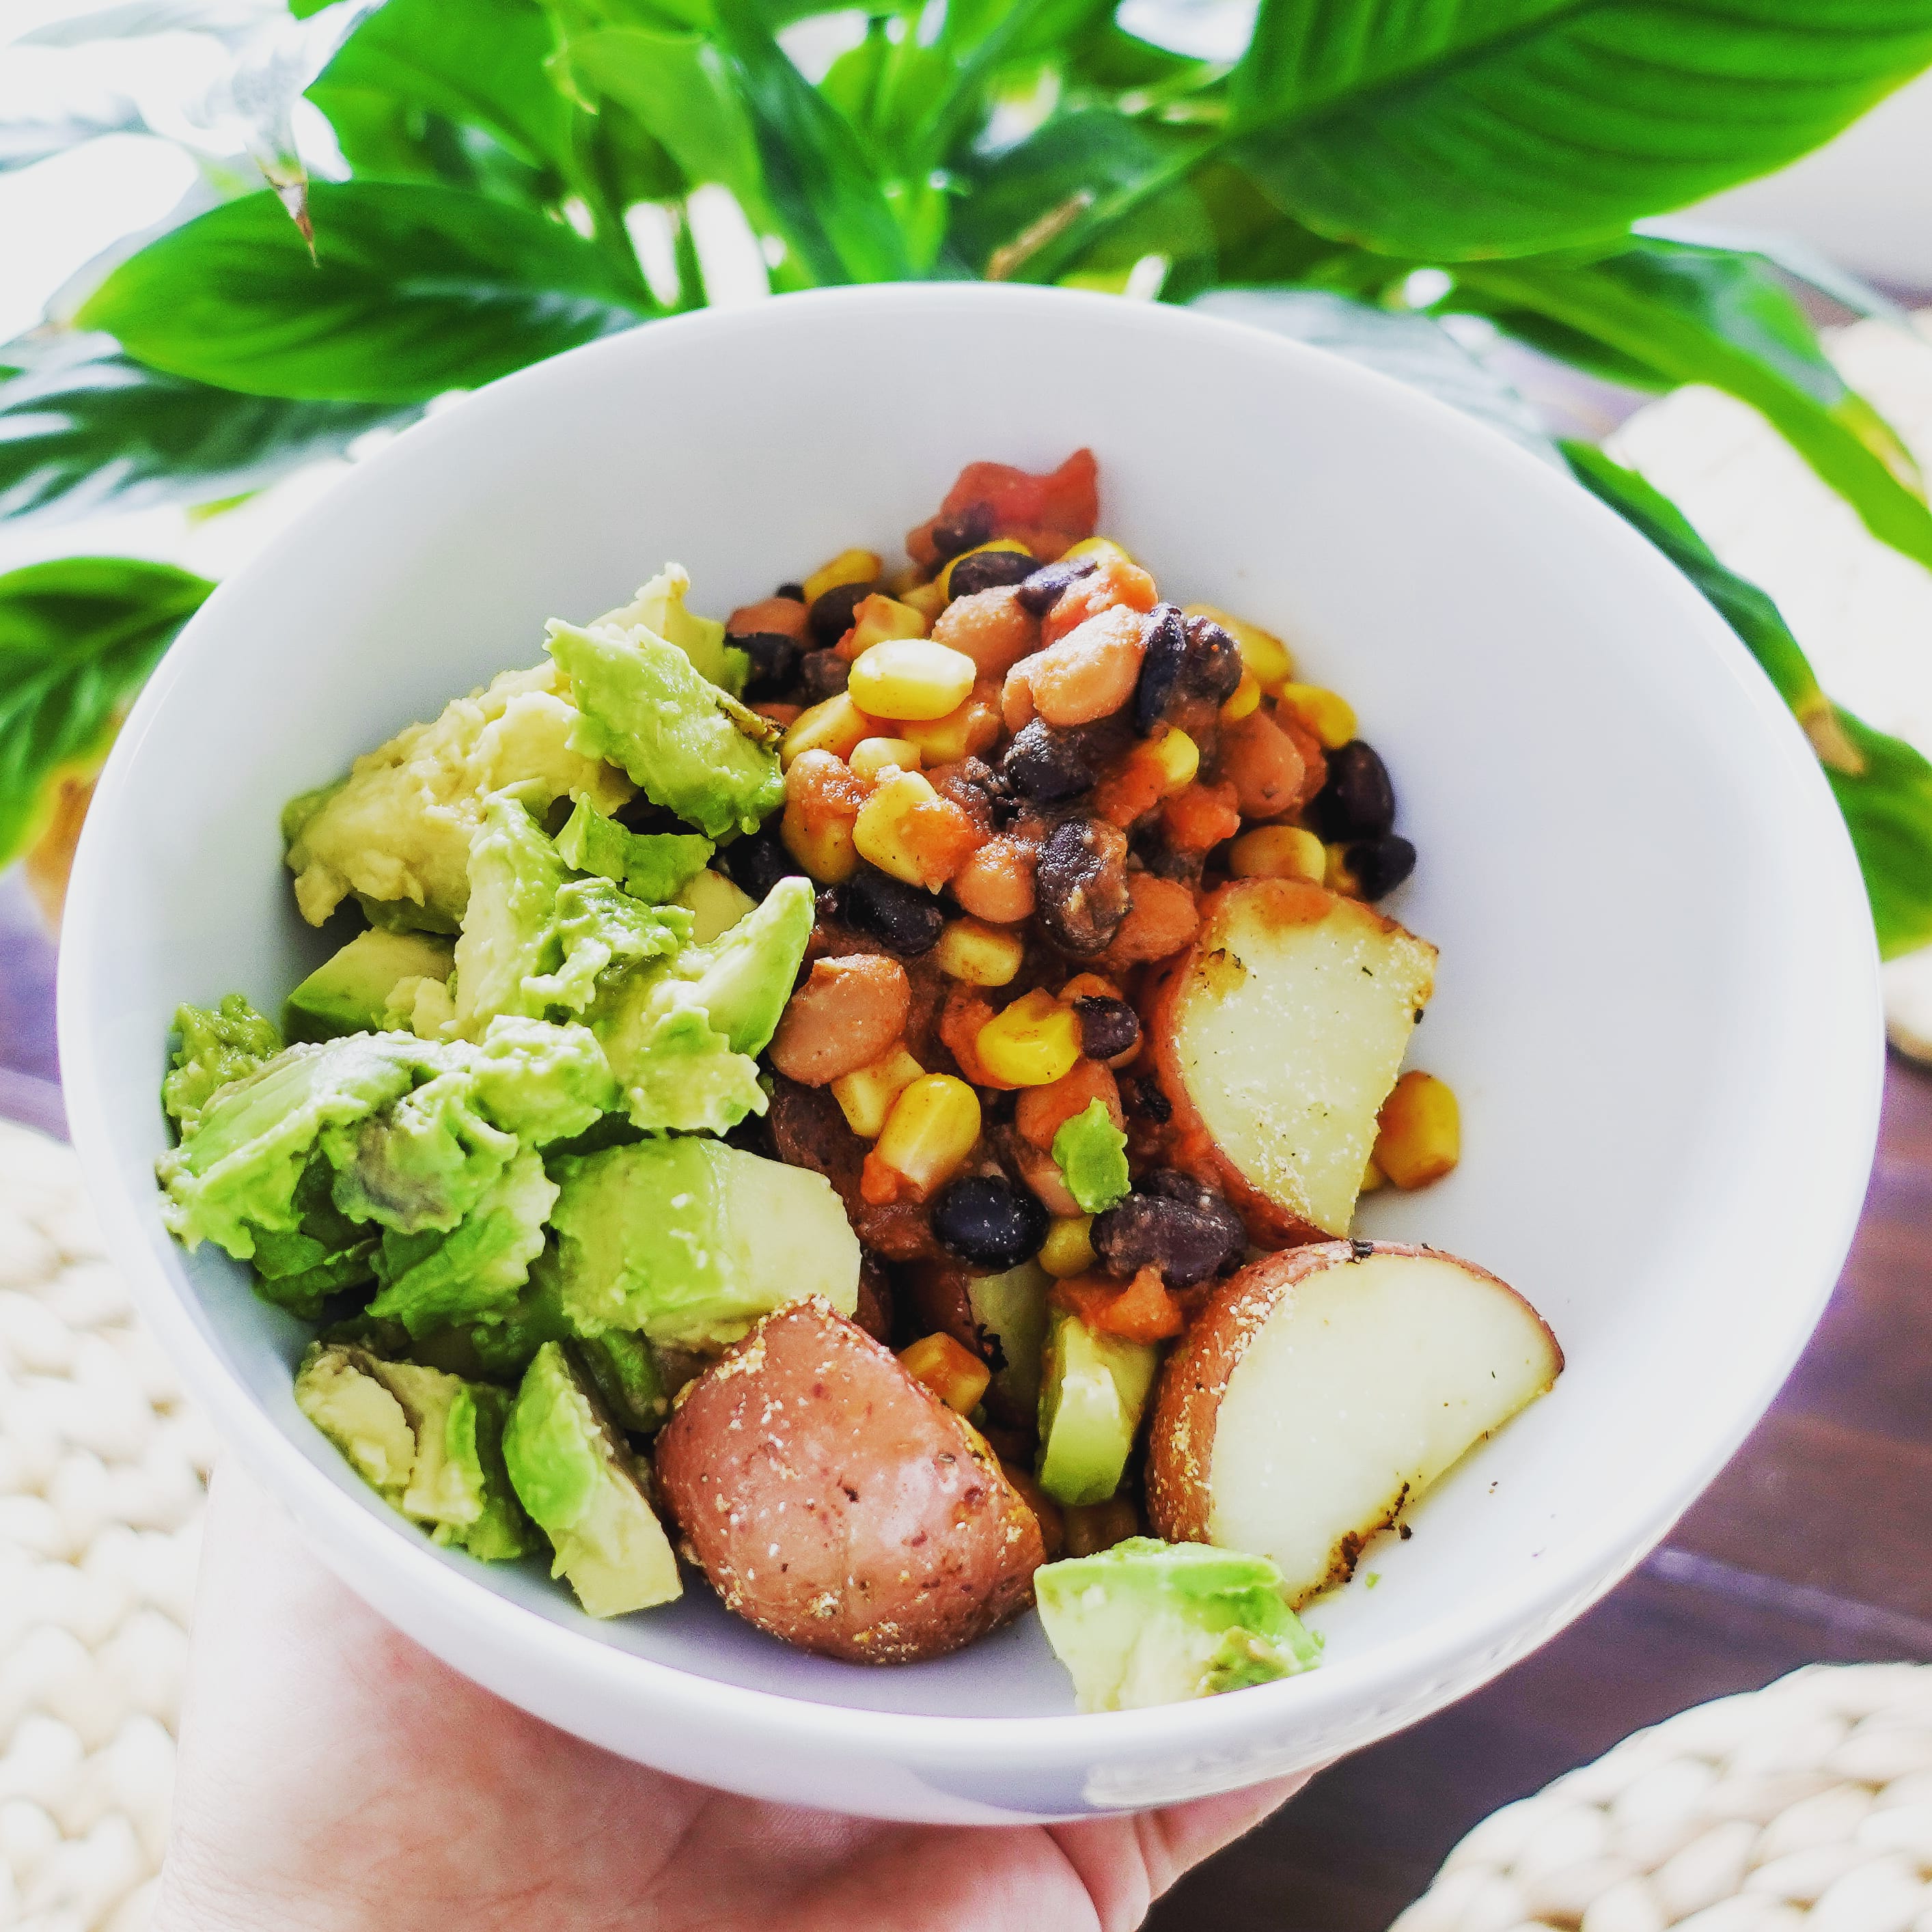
column 218, row 1045
column 573, row 1473
column 650, row 866
column 498, row 1349
column 715, row 903
column 298, row 1269
column 691, row 1242
column 1092, row 1390
column 628, row 1377
column 659, row 608
column 349, row 991
column 689, row 745
column 1092, row 1155
column 1012, row 1308
column 430, row 1444
column 1148, row 1622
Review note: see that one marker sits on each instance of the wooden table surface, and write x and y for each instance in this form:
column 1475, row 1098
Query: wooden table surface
column 1814, row 1545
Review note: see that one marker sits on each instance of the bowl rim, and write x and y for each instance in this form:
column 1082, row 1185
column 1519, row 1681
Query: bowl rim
column 1849, row 1048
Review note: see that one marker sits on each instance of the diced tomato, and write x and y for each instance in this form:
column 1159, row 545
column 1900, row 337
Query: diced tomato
column 1143, row 1311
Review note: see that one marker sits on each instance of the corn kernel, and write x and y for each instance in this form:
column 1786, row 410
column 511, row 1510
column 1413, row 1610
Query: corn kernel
column 963, row 733
column 1419, row 1136
column 1372, row 1178
column 1176, row 757
column 866, row 1096
column 998, row 543
column 981, row 954
column 928, row 599
column 882, row 832
column 1262, row 651
column 1326, row 713
column 1337, row 874
column 849, row 566
column 837, row 726
column 878, row 618
column 826, row 849
column 1246, row 699
column 911, row 677
column 953, row 1373
column 871, row 756
column 1068, row 1250
column 1098, row 548
column 933, row 1125
column 1034, row 1042
column 1279, row 852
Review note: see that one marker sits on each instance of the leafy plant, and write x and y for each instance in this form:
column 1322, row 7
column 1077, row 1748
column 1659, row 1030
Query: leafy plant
column 500, row 161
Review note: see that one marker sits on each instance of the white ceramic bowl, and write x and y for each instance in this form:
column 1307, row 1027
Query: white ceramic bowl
column 1657, row 998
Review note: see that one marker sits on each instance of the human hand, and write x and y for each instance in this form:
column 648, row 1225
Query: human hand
column 335, row 1776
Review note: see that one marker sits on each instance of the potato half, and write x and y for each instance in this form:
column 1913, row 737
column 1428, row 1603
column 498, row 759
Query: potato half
column 837, row 1503
column 1277, row 1036
column 1322, row 1389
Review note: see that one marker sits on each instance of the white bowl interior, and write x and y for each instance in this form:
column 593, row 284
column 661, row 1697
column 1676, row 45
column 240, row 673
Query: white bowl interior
column 1655, row 1000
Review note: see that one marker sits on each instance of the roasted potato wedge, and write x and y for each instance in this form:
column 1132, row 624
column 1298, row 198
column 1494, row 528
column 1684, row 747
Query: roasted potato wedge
column 833, row 1501
column 1321, row 1390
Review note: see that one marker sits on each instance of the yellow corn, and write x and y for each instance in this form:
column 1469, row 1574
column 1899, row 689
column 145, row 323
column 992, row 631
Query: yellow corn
column 1372, row 1178
column 981, row 954
column 866, row 1095
column 910, row 677
column 837, row 726
column 1262, row 651
column 1279, row 852
column 998, row 543
column 1033, row 1043
column 928, row 599
column 954, row 1374
column 965, row 732
column 933, row 1125
column 1337, row 874
column 1247, row 697
column 1419, row 1134
column 870, row 756
column 882, row 833
column 1068, row 1250
column 825, row 850
column 879, row 618
column 1098, row 548
column 1326, row 713
column 1176, row 756
column 849, row 566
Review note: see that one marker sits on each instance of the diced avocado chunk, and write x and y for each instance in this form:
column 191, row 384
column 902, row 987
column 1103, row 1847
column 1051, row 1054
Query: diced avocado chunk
column 430, row 1444
column 218, row 1045
column 299, row 1268
column 574, row 1475
column 627, row 1376
column 690, row 1242
column 349, row 991
column 715, row 903
column 1092, row 1389
column 651, row 865
column 690, row 746
column 395, row 833
column 659, row 608
column 1011, row 1307
column 1092, row 1154
column 499, row 1349
column 1148, row 1622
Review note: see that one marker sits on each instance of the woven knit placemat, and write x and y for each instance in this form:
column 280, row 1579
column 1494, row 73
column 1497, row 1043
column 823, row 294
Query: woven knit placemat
column 101, row 1470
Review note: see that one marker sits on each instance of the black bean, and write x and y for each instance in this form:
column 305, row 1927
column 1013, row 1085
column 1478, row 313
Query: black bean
column 796, row 592
column 901, row 918
column 637, row 813
column 988, row 1223
column 1046, row 764
column 989, row 570
column 1080, row 885
column 832, row 615
column 1145, row 1098
column 774, row 663
column 1186, row 659
column 1380, row 864
column 821, row 674
column 1356, row 801
column 1174, row 1223
column 1107, row 1027
column 964, row 530
column 1165, row 861
column 1038, row 593
column 758, row 863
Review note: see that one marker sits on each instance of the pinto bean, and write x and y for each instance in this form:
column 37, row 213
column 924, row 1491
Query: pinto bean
column 1161, row 919
column 843, row 1017
column 996, row 883
column 1089, row 673
column 991, row 627
column 1259, row 759
column 1043, row 1110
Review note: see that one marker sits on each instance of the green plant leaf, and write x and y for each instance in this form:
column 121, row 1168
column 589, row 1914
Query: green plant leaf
column 1883, row 786
column 78, row 638
column 84, row 425
column 1660, row 313
column 415, row 289
column 829, row 208
column 1452, row 131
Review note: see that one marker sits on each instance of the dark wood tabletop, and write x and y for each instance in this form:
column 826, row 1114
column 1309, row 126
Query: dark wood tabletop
column 1815, row 1545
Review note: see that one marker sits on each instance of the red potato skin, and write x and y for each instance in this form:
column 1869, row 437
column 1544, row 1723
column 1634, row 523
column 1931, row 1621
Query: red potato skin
column 836, row 1503
column 1181, row 1439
